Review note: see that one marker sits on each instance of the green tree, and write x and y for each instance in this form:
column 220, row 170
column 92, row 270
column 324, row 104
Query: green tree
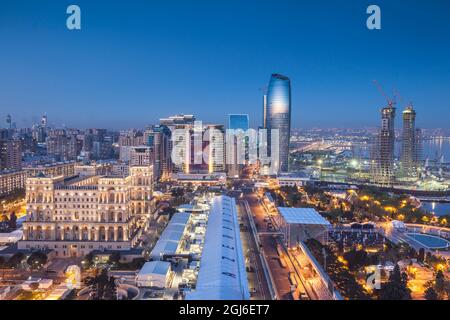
column 37, row 260
column 356, row 259
column 88, row 260
column 440, row 284
column 396, row 288
column 114, row 258
column 421, row 255
column 104, row 287
column 15, row 260
column 13, row 221
column 430, row 294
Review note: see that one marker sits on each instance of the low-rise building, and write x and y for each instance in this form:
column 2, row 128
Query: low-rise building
column 154, row 274
column 301, row 224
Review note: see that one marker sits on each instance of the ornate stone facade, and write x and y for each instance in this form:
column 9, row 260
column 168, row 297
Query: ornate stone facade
column 74, row 216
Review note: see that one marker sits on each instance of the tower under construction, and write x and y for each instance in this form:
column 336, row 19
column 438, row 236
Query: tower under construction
column 383, row 149
column 410, row 152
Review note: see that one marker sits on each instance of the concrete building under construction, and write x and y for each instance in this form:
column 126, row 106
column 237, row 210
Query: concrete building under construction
column 382, row 153
column 411, row 150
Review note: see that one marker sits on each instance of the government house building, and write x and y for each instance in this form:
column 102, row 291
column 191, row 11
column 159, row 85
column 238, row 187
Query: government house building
column 76, row 215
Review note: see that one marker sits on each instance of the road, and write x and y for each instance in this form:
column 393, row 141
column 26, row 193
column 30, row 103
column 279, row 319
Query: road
column 257, row 279
column 280, row 274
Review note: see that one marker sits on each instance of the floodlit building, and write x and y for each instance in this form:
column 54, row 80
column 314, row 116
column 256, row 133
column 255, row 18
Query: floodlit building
column 292, row 180
column 222, row 274
column 278, row 116
column 154, row 274
column 301, row 224
column 76, row 215
column 12, row 181
column 158, row 137
column 66, row 169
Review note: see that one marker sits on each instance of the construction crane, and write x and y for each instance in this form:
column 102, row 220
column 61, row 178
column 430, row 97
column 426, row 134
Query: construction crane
column 397, row 95
column 391, row 101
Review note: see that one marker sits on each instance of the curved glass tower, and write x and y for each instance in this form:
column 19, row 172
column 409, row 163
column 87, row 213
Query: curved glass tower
column 278, row 115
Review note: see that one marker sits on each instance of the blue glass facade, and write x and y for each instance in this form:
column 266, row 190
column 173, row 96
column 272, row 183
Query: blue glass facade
column 238, row 121
column 279, row 115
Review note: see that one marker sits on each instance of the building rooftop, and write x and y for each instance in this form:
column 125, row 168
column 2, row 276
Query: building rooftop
column 155, row 267
column 222, row 274
column 302, row 216
column 171, row 236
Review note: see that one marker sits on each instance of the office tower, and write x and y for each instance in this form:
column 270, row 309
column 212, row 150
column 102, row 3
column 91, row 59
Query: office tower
column 8, row 121
column 158, row 137
column 39, row 133
column 179, row 126
column 410, row 151
column 236, row 143
column 110, row 218
column 44, row 121
column 238, row 122
column 278, row 117
column 264, row 111
column 383, row 152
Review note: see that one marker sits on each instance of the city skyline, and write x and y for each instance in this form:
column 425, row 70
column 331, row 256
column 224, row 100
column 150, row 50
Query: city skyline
column 136, row 66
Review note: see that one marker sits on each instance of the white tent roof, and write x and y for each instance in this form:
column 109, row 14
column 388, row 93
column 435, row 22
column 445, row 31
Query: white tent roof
column 222, row 274
column 302, row 216
column 154, row 267
column 171, row 236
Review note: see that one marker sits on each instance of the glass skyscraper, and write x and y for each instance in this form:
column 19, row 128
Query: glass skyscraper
column 238, row 121
column 278, row 116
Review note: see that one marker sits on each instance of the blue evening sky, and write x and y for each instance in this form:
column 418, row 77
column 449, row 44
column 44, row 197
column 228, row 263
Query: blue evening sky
column 136, row 61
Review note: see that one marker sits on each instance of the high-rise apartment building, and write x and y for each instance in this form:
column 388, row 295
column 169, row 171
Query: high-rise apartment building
column 63, row 145
column 10, row 152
